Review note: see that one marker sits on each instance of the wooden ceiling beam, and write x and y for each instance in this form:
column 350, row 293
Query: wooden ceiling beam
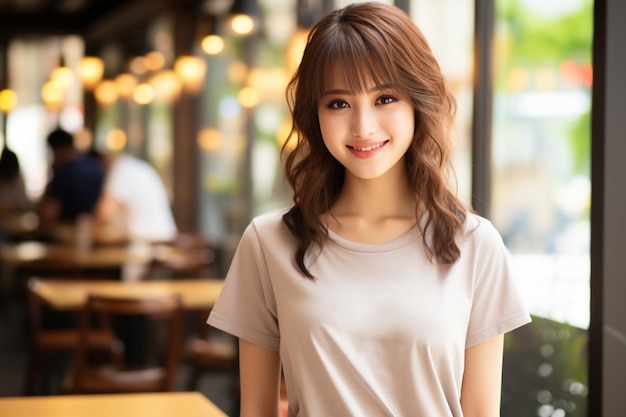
column 13, row 24
column 124, row 18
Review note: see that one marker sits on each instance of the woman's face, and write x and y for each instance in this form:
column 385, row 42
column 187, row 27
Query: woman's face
column 368, row 133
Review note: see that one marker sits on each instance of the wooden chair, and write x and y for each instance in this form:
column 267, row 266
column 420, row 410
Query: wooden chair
column 188, row 255
column 191, row 255
column 155, row 375
column 57, row 339
column 206, row 355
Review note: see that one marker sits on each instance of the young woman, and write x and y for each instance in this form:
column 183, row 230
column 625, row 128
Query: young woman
column 377, row 293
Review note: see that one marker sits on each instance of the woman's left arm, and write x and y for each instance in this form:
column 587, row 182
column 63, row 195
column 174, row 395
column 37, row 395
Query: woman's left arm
column 482, row 379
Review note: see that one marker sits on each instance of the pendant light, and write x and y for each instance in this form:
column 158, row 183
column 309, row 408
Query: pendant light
column 244, row 17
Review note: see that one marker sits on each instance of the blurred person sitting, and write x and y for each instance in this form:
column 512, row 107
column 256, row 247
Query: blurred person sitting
column 75, row 185
column 13, row 198
column 134, row 200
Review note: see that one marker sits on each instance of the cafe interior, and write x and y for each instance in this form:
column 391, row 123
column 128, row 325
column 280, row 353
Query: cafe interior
column 196, row 88
column 170, row 82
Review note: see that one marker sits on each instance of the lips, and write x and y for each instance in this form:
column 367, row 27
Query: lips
column 367, row 151
column 367, row 148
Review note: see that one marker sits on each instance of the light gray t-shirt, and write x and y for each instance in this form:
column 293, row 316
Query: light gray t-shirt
column 382, row 331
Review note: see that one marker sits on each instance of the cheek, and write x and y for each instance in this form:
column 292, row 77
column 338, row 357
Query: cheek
column 331, row 136
column 331, row 128
column 404, row 121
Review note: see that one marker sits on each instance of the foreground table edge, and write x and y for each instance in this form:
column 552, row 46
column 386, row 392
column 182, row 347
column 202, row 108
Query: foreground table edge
column 162, row 404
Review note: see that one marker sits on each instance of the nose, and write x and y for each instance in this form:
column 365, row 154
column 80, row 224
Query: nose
column 364, row 122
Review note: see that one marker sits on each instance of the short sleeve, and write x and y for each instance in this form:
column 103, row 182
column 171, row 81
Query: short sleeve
column 246, row 307
column 497, row 306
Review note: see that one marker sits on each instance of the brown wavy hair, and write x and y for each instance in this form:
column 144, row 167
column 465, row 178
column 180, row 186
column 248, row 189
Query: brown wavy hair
column 364, row 43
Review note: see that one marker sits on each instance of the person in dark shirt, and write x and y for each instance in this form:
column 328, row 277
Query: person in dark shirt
column 75, row 185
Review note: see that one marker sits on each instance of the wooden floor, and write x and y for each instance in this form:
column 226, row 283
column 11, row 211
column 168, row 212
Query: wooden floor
column 217, row 388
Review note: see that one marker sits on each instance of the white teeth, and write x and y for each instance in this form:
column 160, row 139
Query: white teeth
column 367, row 148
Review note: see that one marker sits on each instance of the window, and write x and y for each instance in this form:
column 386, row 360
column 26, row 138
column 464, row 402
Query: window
column 541, row 196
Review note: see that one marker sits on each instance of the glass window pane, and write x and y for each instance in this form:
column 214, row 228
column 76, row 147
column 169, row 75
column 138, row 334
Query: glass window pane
column 243, row 125
column 541, row 196
column 32, row 62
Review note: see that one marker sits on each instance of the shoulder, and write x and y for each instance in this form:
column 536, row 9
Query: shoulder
column 127, row 167
column 266, row 239
column 269, row 223
column 83, row 167
column 269, row 227
column 130, row 163
column 271, row 219
column 87, row 164
column 480, row 230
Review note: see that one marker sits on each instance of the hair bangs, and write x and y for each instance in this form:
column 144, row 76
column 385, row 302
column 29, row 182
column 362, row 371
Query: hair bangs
column 356, row 60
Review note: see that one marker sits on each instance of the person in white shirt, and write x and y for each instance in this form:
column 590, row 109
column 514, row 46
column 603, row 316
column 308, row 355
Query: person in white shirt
column 135, row 201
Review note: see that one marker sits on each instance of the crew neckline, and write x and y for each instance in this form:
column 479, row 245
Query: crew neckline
column 404, row 239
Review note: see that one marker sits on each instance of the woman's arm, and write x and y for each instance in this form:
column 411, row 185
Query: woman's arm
column 482, row 379
column 260, row 380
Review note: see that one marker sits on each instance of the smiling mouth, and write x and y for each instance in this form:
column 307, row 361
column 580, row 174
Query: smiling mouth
column 367, row 148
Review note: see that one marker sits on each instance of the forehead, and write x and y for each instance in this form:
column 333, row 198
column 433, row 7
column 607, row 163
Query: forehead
column 353, row 76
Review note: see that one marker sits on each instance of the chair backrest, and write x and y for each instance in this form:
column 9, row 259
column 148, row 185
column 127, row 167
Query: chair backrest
column 54, row 332
column 165, row 309
column 40, row 316
column 189, row 255
column 34, row 305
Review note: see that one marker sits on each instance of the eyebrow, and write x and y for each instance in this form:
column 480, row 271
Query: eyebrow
column 346, row 92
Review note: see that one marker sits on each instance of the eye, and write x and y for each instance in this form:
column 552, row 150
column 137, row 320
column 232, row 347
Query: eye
column 385, row 99
column 338, row 104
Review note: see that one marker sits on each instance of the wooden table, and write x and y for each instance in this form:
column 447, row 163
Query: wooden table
column 19, row 225
column 197, row 294
column 32, row 258
column 170, row 404
column 38, row 254
column 198, row 297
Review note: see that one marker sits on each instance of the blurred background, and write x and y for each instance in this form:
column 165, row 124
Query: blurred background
column 196, row 88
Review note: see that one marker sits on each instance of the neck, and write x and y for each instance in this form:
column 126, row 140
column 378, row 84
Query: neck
column 389, row 196
column 375, row 210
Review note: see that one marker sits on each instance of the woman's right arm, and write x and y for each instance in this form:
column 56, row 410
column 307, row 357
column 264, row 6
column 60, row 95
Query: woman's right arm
column 260, row 380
